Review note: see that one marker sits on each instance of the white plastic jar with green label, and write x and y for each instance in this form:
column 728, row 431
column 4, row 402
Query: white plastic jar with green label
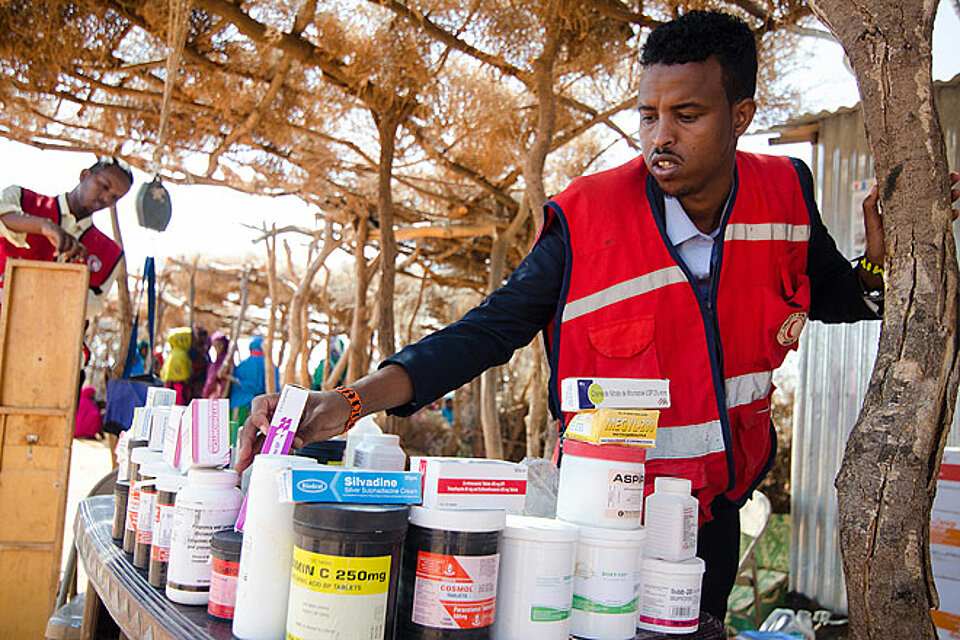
column 537, row 558
column 605, row 583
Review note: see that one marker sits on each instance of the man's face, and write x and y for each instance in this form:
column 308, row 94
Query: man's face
column 99, row 189
column 689, row 129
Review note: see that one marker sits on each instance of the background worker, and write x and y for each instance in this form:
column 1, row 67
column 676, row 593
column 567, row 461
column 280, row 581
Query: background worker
column 694, row 263
column 38, row 227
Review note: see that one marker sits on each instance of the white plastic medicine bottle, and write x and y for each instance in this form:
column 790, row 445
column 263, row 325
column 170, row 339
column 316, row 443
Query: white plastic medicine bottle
column 208, row 503
column 364, row 426
column 671, row 520
column 380, row 451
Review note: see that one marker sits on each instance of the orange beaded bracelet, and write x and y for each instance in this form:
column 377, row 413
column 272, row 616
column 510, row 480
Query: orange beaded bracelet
column 356, row 407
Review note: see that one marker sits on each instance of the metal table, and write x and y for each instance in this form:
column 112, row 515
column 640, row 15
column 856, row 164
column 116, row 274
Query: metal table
column 143, row 612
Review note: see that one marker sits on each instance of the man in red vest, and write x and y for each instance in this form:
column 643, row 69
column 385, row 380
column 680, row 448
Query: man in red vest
column 38, row 227
column 694, row 263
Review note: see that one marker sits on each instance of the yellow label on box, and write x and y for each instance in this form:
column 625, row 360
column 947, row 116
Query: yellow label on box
column 340, row 575
column 633, row 427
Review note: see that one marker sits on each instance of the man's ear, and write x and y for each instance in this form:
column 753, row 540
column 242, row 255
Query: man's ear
column 743, row 112
column 84, row 174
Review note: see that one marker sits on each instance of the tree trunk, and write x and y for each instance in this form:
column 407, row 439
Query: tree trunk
column 489, row 411
column 296, row 324
column 537, row 416
column 235, row 338
column 193, row 293
column 271, row 244
column 358, row 325
column 888, row 477
column 387, row 126
column 123, row 296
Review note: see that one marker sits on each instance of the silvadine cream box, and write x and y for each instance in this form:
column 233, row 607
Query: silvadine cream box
column 471, row 483
column 579, row 394
column 205, row 437
column 337, row 484
column 631, row 427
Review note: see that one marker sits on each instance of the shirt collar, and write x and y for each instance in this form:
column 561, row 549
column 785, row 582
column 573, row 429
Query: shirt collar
column 680, row 227
column 69, row 221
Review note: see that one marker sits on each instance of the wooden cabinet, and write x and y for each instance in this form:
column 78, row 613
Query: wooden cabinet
column 41, row 338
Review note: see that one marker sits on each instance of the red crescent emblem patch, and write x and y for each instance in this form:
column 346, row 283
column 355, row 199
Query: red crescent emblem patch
column 790, row 330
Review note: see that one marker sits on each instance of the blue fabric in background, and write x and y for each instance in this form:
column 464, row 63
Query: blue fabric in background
column 122, row 397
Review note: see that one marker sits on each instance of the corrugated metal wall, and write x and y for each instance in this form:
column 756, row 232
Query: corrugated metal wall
column 836, row 360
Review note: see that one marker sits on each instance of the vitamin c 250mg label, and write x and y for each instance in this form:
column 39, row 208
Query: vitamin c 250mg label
column 337, row 597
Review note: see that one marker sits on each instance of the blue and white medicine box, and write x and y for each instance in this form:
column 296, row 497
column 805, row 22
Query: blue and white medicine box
column 351, row 485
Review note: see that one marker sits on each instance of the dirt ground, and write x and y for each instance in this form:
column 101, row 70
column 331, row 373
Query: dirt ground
column 89, row 462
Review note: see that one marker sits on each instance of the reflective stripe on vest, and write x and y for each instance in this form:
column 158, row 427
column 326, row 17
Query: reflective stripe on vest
column 688, row 441
column 622, row 291
column 748, row 388
column 768, row 232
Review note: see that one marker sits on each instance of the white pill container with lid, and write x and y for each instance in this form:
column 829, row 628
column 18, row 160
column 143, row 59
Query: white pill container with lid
column 601, row 485
column 537, row 560
column 380, row 451
column 671, row 520
column 208, row 503
column 266, row 557
column 605, row 583
column 670, row 595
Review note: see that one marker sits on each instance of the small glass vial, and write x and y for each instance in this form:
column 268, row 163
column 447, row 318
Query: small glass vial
column 380, row 451
column 671, row 520
column 208, row 503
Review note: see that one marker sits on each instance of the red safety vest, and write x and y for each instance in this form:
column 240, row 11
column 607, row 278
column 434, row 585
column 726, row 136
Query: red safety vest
column 103, row 253
column 629, row 310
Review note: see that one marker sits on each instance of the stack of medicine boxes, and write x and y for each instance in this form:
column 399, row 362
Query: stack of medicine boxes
column 945, row 545
column 197, row 436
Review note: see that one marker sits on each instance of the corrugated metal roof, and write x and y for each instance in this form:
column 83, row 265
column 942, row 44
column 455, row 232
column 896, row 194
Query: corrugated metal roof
column 810, row 118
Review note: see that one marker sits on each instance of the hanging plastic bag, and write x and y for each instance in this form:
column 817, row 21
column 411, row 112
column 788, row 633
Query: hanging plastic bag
column 795, row 624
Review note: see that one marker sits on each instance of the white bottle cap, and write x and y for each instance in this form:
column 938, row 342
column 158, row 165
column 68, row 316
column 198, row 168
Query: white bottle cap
column 212, row 477
column 672, row 485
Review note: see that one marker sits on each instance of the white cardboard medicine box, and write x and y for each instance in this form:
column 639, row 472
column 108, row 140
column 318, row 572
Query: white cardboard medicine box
column 471, row 483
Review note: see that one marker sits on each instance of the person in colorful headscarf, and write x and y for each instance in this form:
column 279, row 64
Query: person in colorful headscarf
column 199, row 361
column 250, row 380
column 176, row 368
column 213, row 387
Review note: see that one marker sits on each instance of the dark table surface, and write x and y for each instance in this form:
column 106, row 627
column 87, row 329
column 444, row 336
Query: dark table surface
column 142, row 611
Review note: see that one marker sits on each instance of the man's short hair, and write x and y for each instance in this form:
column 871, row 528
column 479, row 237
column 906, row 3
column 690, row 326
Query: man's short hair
column 697, row 35
column 104, row 162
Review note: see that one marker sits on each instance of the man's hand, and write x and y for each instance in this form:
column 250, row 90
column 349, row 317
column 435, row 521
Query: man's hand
column 873, row 228
column 67, row 247
column 324, row 416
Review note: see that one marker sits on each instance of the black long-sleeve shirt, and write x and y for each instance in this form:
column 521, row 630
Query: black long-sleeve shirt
column 511, row 316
